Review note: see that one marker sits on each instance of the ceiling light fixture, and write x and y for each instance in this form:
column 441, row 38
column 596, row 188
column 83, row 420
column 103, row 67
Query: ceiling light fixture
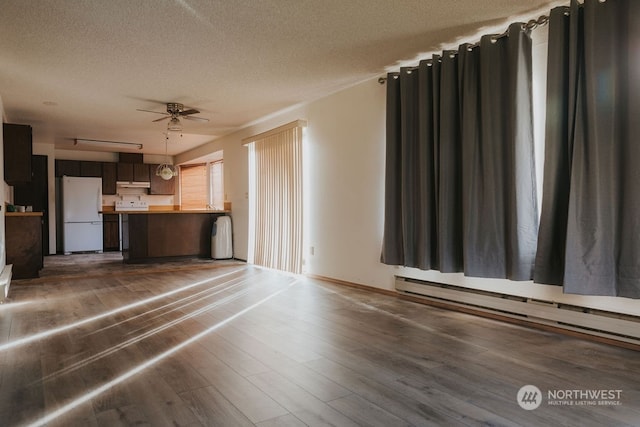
column 166, row 170
column 174, row 125
column 109, row 144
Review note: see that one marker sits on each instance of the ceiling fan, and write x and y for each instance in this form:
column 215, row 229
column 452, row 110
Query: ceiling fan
column 174, row 112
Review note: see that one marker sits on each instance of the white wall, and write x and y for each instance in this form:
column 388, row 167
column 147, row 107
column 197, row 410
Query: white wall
column 3, row 195
column 346, row 150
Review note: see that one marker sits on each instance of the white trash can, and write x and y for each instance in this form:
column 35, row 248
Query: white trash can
column 221, row 238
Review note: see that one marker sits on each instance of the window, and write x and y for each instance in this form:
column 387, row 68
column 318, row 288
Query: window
column 202, row 186
column 216, row 181
column 193, row 187
column 275, row 202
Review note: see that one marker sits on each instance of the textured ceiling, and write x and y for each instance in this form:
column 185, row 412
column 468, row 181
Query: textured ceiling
column 80, row 68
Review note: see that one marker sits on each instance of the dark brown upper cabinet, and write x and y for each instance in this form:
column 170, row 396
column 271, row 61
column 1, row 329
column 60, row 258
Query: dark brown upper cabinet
column 159, row 185
column 91, row 169
column 141, row 172
column 125, row 172
column 67, row 168
column 17, row 153
column 109, row 177
column 130, row 158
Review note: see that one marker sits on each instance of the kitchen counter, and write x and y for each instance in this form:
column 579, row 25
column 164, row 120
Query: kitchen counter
column 23, row 214
column 154, row 212
column 164, row 235
column 162, row 209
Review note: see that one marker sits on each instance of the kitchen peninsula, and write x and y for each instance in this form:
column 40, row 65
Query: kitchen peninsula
column 157, row 235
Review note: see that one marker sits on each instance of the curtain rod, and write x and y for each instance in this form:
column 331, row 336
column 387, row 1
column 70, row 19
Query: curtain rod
column 530, row 25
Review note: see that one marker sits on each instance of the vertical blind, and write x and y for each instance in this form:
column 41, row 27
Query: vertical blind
column 277, row 163
column 216, row 178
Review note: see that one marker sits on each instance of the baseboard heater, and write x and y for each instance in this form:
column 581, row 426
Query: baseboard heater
column 605, row 324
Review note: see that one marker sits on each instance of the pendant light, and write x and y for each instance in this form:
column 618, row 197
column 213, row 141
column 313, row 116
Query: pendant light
column 166, row 170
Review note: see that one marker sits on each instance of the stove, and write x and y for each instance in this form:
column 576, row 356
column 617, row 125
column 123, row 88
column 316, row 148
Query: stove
column 132, row 205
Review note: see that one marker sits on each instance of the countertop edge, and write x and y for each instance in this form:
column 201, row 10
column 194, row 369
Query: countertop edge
column 23, row 214
column 155, row 212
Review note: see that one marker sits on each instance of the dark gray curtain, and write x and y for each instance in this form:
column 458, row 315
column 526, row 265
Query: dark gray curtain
column 590, row 224
column 392, row 245
column 561, row 87
column 460, row 186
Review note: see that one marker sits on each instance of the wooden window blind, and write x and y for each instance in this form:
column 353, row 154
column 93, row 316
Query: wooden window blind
column 194, row 191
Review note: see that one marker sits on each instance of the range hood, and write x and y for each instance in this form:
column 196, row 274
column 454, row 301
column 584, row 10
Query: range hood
column 133, row 184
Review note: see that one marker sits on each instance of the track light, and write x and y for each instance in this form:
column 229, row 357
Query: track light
column 108, row 144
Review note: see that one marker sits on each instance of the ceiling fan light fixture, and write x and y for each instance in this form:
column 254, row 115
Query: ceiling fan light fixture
column 174, row 125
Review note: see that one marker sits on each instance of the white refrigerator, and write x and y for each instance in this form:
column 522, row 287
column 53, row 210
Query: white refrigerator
column 82, row 220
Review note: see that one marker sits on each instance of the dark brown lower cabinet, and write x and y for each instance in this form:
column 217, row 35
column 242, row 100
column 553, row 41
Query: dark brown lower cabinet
column 154, row 236
column 23, row 239
column 36, row 194
column 110, row 232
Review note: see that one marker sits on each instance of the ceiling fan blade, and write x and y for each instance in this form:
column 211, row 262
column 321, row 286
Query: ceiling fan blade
column 149, row 111
column 161, row 119
column 189, row 111
column 197, row 119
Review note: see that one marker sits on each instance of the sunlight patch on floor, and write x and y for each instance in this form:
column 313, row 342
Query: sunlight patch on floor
column 141, row 367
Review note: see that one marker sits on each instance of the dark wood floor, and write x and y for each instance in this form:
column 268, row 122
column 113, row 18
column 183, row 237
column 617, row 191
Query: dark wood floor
column 231, row 345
